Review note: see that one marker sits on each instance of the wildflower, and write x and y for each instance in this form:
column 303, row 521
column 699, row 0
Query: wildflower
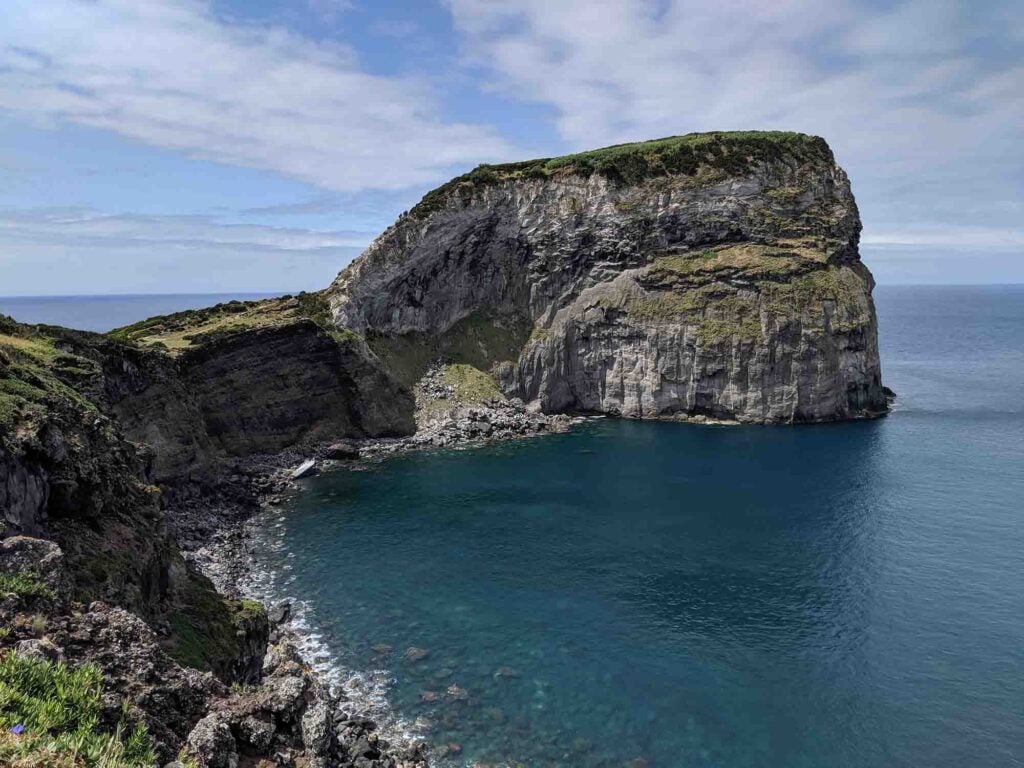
column 16, row 730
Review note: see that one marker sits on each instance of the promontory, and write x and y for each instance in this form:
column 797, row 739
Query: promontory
column 707, row 277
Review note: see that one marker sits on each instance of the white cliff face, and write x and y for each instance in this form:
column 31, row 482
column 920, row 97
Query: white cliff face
column 733, row 295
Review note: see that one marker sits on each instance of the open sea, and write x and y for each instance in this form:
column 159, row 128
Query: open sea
column 105, row 313
column 668, row 595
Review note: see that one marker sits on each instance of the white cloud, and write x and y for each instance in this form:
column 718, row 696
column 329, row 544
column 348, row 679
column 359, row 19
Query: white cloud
column 81, row 228
column 169, row 73
column 79, row 251
column 915, row 103
column 956, row 237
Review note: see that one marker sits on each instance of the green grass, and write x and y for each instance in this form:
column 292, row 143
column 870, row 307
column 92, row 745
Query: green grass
column 206, row 627
column 478, row 340
column 692, row 155
column 471, row 387
column 25, row 586
column 59, row 707
column 192, row 327
column 36, row 374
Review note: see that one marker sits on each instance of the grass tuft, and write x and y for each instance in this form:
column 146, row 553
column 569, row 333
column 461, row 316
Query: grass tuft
column 27, row 587
column 58, row 710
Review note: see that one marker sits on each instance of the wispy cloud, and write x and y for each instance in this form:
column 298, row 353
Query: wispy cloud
column 171, row 74
column 955, row 237
column 70, row 251
column 83, row 228
column 922, row 101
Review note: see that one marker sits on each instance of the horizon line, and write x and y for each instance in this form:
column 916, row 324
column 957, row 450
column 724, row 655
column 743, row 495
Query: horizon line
column 292, row 293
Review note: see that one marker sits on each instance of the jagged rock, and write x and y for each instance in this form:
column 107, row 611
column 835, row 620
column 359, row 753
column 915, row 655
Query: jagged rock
column 342, row 450
column 280, row 613
column 38, row 558
column 257, row 731
column 43, row 650
column 316, row 729
column 212, row 744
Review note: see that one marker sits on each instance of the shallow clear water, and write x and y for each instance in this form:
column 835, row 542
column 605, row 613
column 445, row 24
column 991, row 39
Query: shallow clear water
column 835, row 595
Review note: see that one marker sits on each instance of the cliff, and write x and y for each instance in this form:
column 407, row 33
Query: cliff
column 98, row 435
column 709, row 275
column 703, row 276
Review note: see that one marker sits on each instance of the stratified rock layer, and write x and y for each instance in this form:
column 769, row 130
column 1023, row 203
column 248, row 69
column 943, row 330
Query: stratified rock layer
column 710, row 275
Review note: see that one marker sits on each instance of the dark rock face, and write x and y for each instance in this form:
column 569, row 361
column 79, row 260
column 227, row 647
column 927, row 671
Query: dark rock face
column 729, row 288
column 268, row 389
column 88, row 426
column 256, row 391
column 24, row 493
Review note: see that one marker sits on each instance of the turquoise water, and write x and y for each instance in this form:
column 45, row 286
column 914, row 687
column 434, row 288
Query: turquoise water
column 835, row 595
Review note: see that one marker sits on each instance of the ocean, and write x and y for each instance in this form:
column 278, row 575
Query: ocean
column 663, row 595
column 104, row 313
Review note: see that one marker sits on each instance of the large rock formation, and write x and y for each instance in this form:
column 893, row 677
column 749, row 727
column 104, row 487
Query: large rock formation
column 705, row 275
column 702, row 276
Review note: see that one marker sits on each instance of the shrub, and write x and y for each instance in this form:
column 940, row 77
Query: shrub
column 25, row 586
column 56, row 708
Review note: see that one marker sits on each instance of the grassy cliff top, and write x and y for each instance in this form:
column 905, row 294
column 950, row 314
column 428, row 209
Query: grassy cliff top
column 731, row 152
column 182, row 330
column 39, row 371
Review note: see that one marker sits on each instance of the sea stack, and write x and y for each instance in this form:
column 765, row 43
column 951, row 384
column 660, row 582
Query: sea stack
column 710, row 275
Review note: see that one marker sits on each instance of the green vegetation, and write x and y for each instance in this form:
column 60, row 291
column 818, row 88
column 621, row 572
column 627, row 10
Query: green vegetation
column 755, row 261
column 805, row 296
column 539, row 334
column 471, row 387
column 36, row 375
column 200, row 326
column 479, row 340
column 25, row 586
column 57, row 710
column 722, row 311
column 249, row 611
column 662, row 305
column 208, row 628
column 692, row 155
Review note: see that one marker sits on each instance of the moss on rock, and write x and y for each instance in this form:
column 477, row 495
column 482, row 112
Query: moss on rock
column 693, row 155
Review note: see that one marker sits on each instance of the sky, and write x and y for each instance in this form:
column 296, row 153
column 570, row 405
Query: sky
column 178, row 146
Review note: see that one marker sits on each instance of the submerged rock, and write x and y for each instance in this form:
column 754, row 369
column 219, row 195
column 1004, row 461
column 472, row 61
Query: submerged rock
column 415, row 654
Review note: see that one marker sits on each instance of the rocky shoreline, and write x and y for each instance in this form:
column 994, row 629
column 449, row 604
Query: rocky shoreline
column 712, row 278
column 218, row 534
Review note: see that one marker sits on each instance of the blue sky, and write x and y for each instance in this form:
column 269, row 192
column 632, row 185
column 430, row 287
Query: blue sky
column 195, row 146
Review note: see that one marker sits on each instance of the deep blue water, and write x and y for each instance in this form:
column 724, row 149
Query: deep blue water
column 835, row 595
column 104, row 313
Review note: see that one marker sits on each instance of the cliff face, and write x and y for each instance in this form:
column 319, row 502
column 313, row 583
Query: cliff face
column 95, row 433
column 708, row 275
column 253, row 377
column 94, row 430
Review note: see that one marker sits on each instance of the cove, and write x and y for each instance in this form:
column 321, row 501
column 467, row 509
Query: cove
column 659, row 594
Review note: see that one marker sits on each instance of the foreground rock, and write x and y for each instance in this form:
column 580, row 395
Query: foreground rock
column 100, row 579
column 282, row 714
